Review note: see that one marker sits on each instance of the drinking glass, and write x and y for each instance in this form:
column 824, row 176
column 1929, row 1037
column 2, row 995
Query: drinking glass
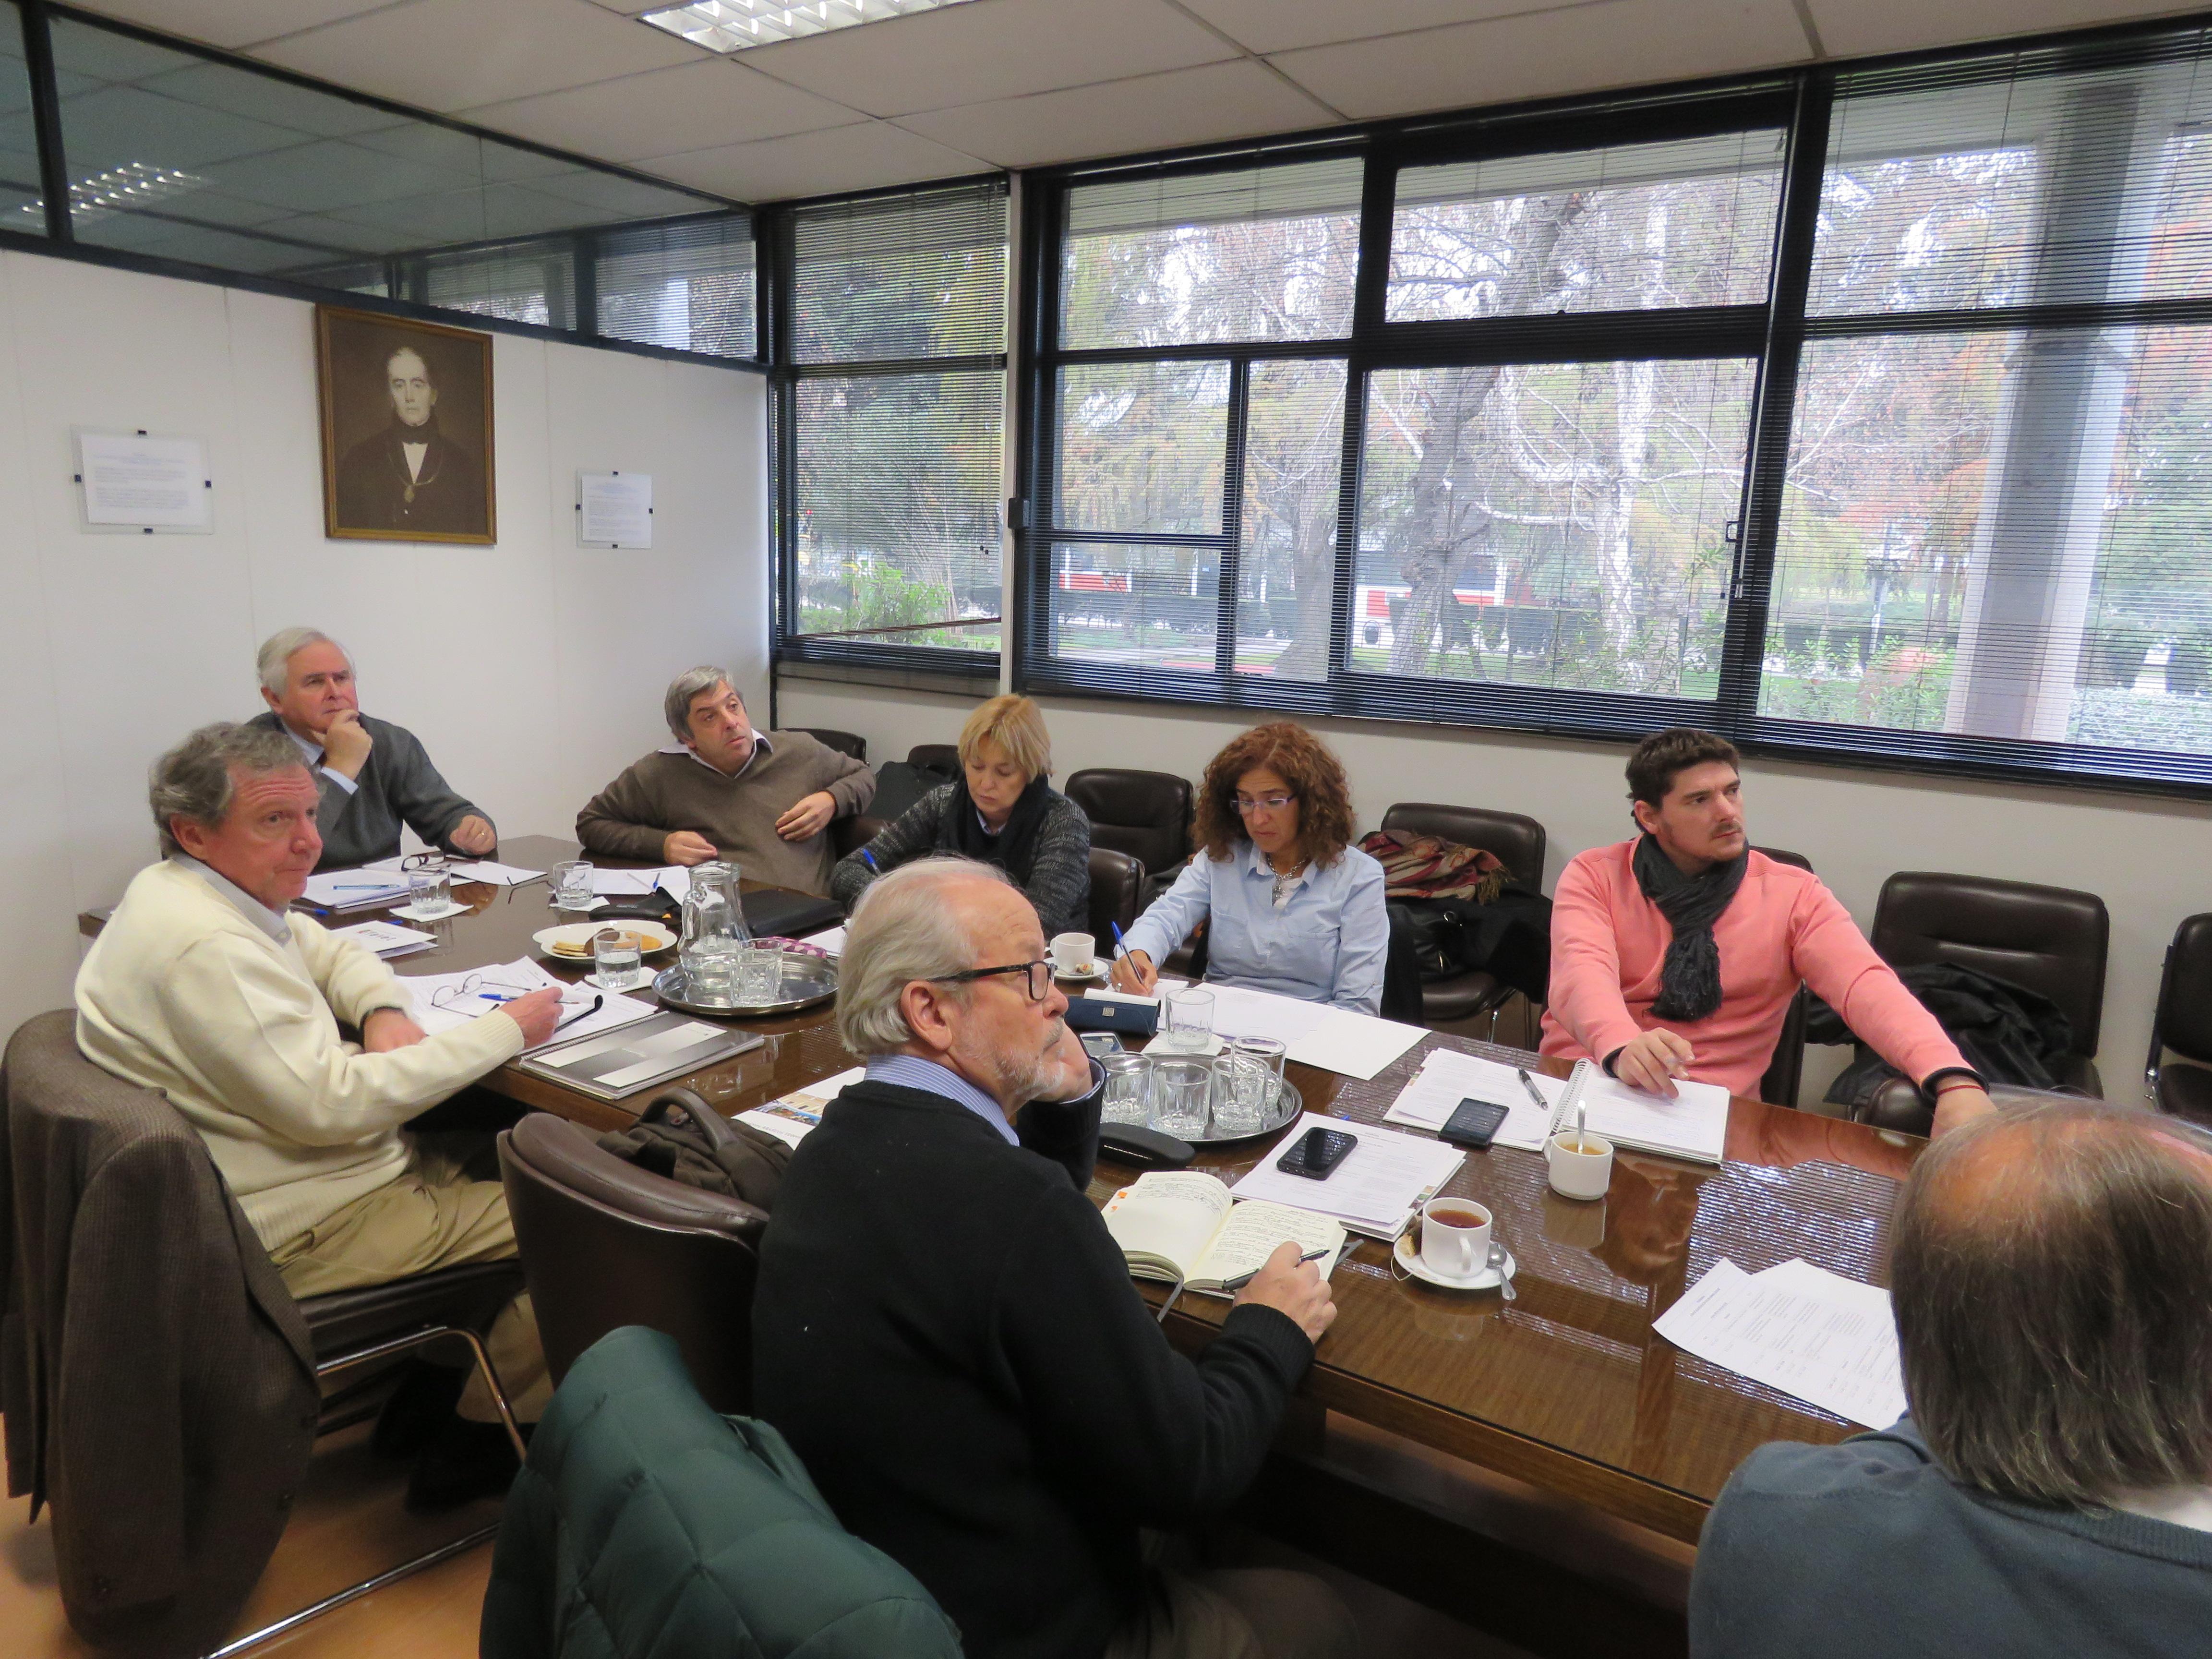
column 429, row 890
column 1244, row 1093
column 1190, row 1019
column 760, row 972
column 572, row 885
column 1179, row 1088
column 1128, row 1097
column 619, row 962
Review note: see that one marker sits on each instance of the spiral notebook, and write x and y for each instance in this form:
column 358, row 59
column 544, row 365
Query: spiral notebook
column 1692, row 1126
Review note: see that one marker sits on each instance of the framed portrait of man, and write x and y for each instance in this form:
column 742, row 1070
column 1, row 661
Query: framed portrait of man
column 407, row 437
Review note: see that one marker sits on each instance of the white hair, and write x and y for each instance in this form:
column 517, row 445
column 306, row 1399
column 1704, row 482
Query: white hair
column 274, row 660
column 902, row 931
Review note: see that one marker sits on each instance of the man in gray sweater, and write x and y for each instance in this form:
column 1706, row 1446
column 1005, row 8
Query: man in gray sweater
column 2052, row 1490
column 371, row 776
column 765, row 801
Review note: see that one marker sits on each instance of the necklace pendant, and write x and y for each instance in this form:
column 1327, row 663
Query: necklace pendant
column 408, row 495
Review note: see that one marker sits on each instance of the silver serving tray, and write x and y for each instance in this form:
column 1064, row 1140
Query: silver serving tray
column 807, row 981
column 1288, row 1105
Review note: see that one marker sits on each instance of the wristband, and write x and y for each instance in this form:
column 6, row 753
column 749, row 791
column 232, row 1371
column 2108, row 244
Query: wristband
column 1606, row 1065
column 1967, row 1079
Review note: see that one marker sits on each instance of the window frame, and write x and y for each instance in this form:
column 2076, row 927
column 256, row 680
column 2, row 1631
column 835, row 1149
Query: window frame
column 1773, row 334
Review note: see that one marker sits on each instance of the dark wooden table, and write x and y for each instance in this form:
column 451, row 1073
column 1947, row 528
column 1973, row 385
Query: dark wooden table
column 1568, row 1387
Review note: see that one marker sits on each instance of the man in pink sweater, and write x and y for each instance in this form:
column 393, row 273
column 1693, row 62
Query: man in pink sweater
column 1676, row 954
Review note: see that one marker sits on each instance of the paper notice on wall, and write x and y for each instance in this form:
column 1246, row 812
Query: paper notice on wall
column 614, row 509
column 134, row 482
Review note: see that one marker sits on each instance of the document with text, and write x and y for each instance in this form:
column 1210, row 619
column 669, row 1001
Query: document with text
column 1828, row 1340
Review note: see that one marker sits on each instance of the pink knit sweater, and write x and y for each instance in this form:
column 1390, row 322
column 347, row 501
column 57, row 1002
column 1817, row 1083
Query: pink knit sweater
column 1608, row 943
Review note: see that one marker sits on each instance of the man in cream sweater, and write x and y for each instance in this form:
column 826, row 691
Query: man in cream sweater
column 205, row 987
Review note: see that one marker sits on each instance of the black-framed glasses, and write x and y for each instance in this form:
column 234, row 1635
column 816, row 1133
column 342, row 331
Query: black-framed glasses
column 1039, row 977
column 423, row 861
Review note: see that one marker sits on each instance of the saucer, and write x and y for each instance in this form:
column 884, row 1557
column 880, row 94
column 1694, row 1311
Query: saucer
column 413, row 914
column 1409, row 1257
column 1097, row 968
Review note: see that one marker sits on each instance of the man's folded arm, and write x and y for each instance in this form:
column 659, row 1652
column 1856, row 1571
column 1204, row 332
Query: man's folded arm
column 848, row 782
column 255, row 1034
column 618, row 821
column 428, row 805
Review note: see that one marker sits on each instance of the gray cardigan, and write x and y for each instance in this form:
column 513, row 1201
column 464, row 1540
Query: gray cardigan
column 398, row 784
column 1060, row 879
column 1869, row 1548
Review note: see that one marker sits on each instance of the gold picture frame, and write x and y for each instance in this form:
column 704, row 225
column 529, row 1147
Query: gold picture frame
column 383, row 379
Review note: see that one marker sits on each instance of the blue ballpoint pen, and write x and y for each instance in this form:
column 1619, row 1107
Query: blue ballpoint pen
column 869, row 859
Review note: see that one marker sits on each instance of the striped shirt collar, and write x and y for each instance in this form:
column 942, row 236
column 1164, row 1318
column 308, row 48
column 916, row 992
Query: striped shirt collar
column 912, row 1072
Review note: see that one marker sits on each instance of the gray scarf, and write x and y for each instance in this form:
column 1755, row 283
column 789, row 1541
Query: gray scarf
column 1690, row 978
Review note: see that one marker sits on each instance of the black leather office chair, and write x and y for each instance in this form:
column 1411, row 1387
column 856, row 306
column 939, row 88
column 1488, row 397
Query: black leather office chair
column 942, row 758
column 2182, row 1023
column 605, row 1243
column 1517, row 841
column 1146, row 815
column 1117, row 881
column 848, row 835
column 1785, row 1072
column 845, row 743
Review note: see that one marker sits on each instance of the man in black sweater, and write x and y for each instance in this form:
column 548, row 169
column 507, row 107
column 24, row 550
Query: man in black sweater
column 2052, row 1490
column 948, row 1335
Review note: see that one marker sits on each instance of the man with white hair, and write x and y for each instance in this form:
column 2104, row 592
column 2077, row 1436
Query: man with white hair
column 371, row 775
column 948, row 1336
column 726, row 789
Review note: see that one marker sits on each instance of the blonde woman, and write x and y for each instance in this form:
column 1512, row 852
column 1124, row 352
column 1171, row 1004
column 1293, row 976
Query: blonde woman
column 1002, row 811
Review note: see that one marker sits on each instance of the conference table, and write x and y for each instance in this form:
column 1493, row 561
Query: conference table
column 1568, row 1387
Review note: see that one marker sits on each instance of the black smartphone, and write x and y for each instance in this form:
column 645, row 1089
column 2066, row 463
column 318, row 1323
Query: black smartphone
column 1316, row 1152
column 1473, row 1122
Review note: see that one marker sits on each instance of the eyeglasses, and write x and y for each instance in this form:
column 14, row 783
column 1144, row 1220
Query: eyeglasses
column 1246, row 806
column 1039, row 973
column 423, row 861
column 477, row 987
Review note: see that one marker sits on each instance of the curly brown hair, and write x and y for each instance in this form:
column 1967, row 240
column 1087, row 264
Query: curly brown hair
column 1301, row 760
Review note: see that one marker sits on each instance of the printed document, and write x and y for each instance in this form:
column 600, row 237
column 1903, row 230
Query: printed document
column 387, row 938
column 1376, row 1190
column 1828, row 1340
column 1447, row 1077
column 443, row 1001
column 1333, row 1039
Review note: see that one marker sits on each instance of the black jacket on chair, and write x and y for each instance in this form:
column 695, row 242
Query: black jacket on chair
column 947, row 1335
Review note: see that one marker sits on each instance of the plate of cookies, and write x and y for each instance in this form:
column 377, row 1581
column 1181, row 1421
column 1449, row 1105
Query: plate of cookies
column 573, row 944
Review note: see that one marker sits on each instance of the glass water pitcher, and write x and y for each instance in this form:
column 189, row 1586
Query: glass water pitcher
column 714, row 931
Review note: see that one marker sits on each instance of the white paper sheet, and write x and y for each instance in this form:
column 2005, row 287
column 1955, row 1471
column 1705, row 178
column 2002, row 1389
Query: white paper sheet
column 1376, row 1188
column 1448, row 1076
column 831, row 939
column 1827, row 1340
column 1356, row 1045
column 386, row 939
column 499, row 875
column 355, row 890
column 443, row 1001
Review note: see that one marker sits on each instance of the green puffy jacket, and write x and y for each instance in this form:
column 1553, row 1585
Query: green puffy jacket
column 645, row 1527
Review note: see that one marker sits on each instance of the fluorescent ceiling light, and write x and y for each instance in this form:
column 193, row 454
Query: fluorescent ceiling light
column 118, row 189
column 733, row 25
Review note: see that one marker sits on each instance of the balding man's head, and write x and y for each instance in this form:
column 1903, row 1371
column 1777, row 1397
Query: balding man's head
column 2052, row 1276
column 915, row 923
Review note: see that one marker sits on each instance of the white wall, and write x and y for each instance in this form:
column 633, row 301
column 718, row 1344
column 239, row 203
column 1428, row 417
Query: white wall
column 531, row 670
column 2147, row 857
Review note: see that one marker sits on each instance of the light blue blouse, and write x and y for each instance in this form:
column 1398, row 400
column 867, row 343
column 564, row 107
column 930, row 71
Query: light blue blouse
column 1327, row 945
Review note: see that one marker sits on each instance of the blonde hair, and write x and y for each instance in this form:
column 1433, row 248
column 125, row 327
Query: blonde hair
column 1017, row 726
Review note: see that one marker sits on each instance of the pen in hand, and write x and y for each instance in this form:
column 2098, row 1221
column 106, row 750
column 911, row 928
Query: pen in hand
column 1242, row 1280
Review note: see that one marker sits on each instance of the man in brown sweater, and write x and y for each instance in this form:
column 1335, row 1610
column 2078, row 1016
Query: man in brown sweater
column 723, row 790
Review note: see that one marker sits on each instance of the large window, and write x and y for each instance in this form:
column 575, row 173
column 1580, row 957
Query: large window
column 891, row 429
column 1856, row 412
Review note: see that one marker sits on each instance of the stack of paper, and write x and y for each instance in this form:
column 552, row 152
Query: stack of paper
column 1376, row 1190
column 1448, row 1076
column 1828, row 1340
column 791, row 1118
column 443, row 1001
column 355, row 890
column 499, row 875
column 386, row 939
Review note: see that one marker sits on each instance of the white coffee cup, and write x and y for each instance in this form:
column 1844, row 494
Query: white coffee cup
column 1581, row 1167
column 1071, row 953
column 1450, row 1246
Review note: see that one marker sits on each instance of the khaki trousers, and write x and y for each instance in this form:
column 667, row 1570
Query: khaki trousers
column 1237, row 1612
column 442, row 1213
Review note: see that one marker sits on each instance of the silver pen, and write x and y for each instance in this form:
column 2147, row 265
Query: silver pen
column 1534, row 1093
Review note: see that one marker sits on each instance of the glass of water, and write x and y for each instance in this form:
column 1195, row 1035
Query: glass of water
column 1190, row 1020
column 1244, row 1093
column 1179, row 1088
column 1128, row 1097
column 572, row 885
column 429, row 890
column 619, row 960
column 760, row 972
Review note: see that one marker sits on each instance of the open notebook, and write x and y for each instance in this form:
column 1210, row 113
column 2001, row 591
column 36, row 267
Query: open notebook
column 1178, row 1224
column 1693, row 1125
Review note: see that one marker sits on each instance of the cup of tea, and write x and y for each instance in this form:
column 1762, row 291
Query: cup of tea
column 1581, row 1165
column 1073, row 953
column 1455, row 1237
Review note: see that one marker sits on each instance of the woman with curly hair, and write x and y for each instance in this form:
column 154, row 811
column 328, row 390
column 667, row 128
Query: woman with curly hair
column 1295, row 908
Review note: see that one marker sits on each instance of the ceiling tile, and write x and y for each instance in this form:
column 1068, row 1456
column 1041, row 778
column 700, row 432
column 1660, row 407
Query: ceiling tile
column 448, row 54
column 866, row 156
column 991, row 49
column 696, row 106
column 1153, row 111
column 231, row 22
column 1611, row 44
column 1851, row 28
column 1283, row 25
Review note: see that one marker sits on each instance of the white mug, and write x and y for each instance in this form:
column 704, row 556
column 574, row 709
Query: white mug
column 1576, row 1173
column 1073, row 952
column 1450, row 1247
